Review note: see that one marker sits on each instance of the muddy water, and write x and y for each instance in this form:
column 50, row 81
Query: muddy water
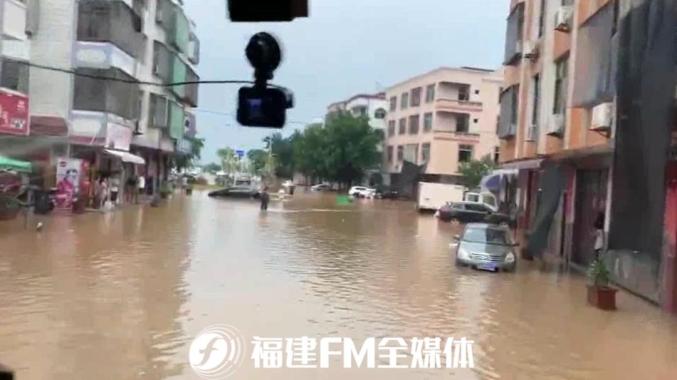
column 120, row 296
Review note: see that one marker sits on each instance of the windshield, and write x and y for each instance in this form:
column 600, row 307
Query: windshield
column 321, row 189
column 486, row 236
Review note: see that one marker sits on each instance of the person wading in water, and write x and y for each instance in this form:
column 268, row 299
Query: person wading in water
column 265, row 198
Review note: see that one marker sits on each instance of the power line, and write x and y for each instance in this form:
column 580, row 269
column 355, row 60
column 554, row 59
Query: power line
column 137, row 82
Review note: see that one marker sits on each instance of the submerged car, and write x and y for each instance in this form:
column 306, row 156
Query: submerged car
column 320, row 187
column 486, row 247
column 362, row 192
column 236, row 192
column 472, row 212
column 387, row 193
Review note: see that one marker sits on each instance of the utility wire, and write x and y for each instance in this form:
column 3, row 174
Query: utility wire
column 137, row 82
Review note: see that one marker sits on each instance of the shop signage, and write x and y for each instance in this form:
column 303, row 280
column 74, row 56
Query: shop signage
column 13, row 113
column 118, row 137
column 71, row 179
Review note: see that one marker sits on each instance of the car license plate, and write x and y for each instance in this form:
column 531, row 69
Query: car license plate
column 488, row 266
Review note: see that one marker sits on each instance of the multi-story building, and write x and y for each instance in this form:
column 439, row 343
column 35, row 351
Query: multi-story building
column 106, row 102
column 559, row 108
column 372, row 106
column 441, row 119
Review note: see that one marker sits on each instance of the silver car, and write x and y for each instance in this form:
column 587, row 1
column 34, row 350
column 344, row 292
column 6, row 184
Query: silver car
column 486, row 247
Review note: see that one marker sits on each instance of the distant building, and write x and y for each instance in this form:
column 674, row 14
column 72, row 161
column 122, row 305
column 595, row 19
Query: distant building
column 442, row 118
column 372, row 106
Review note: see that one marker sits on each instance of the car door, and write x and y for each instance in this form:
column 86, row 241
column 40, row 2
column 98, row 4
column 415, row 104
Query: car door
column 476, row 212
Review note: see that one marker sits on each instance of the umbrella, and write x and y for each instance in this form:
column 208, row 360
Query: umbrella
column 7, row 163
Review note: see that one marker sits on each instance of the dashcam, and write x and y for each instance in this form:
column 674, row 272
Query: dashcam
column 266, row 10
column 262, row 107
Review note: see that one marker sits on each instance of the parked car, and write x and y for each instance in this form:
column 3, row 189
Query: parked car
column 320, row 187
column 236, row 192
column 486, row 247
column 362, row 192
column 469, row 212
column 387, row 193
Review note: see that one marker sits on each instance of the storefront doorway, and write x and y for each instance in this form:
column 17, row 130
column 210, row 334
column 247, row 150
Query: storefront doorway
column 590, row 201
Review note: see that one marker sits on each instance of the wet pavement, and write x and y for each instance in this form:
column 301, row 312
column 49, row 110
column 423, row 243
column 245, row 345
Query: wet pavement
column 121, row 295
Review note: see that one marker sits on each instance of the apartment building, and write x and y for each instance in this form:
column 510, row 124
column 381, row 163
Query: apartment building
column 440, row 119
column 559, row 131
column 372, row 106
column 120, row 125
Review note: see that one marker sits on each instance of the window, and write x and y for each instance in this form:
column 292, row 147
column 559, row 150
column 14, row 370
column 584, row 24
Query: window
column 393, row 103
column 465, row 153
column 475, row 121
column 390, row 153
column 360, row 110
column 404, row 100
column 14, row 76
column 391, row 128
column 403, row 126
column 159, row 111
column 475, row 207
column 477, row 92
column 464, row 93
column 458, row 206
column 430, row 93
column 428, row 122
column 536, row 99
column 380, row 113
column 541, row 18
column 562, row 68
column 497, row 154
column 462, row 122
column 425, row 152
column 400, row 153
column 416, row 97
column 413, row 124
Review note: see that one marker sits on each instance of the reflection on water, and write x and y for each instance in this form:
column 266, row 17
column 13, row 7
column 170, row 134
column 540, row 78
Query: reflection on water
column 121, row 295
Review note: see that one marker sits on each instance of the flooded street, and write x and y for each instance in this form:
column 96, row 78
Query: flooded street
column 121, row 295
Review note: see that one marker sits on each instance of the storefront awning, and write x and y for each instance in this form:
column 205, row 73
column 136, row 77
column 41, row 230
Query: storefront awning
column 126, row 156
column 7, row 163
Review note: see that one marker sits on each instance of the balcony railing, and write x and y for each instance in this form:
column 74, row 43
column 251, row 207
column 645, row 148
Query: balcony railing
column 453, row 135
column 457, row 106
column 111, row 21
column 118, row 98
column 103, row 55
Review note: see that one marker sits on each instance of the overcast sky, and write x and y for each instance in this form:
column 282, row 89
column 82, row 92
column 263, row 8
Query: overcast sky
column 345, row 47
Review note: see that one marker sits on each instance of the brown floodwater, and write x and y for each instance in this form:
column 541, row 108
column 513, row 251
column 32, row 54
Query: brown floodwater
column 121, row 295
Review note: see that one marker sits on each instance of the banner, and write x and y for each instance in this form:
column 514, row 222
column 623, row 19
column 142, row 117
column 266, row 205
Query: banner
column 68, row 174
column 13, row 113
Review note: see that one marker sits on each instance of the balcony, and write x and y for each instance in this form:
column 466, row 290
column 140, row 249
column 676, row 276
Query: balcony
column 103, row 55
column 466, row 137
column 100, row 129
column 13, row 20
column 184, row 73
column 117, row 98
column 457, row 106
column 113, row 22
column 514, row 35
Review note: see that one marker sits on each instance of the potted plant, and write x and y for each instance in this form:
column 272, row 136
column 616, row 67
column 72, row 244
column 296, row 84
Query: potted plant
column 600, row 294
column 165, row 190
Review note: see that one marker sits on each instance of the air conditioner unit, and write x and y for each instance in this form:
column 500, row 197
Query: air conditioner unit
column 602, row 116
column 530, row 50
column 563, row 18
column 532, row 132
column 556, row 125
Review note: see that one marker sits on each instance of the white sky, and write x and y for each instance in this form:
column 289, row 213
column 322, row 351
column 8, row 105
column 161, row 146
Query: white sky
column 345, row 47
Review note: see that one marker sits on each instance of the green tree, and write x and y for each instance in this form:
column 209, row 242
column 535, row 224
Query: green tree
column 184, row 161
column 281, row 148
column 350, row 148
column 229, row 160
column 308, row 152
column 473, row 170
column 257, row 159
column 212, row 167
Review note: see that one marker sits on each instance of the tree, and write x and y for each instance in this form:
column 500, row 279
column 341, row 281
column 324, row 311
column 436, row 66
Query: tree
column 257, row 159
column 308, row 152
column 183, row 161
column 229, row 160
column 282, row 149
column 473, row 170
column 212, row 167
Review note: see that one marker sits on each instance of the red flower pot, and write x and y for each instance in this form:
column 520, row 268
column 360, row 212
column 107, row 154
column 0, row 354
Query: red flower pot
column 602, row 297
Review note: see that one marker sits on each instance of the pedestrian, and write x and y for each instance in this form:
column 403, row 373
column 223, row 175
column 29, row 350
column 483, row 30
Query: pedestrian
column 141, row 182
column 599, row 235
column 114, row 188
column 265, row 198
column 130, row 189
